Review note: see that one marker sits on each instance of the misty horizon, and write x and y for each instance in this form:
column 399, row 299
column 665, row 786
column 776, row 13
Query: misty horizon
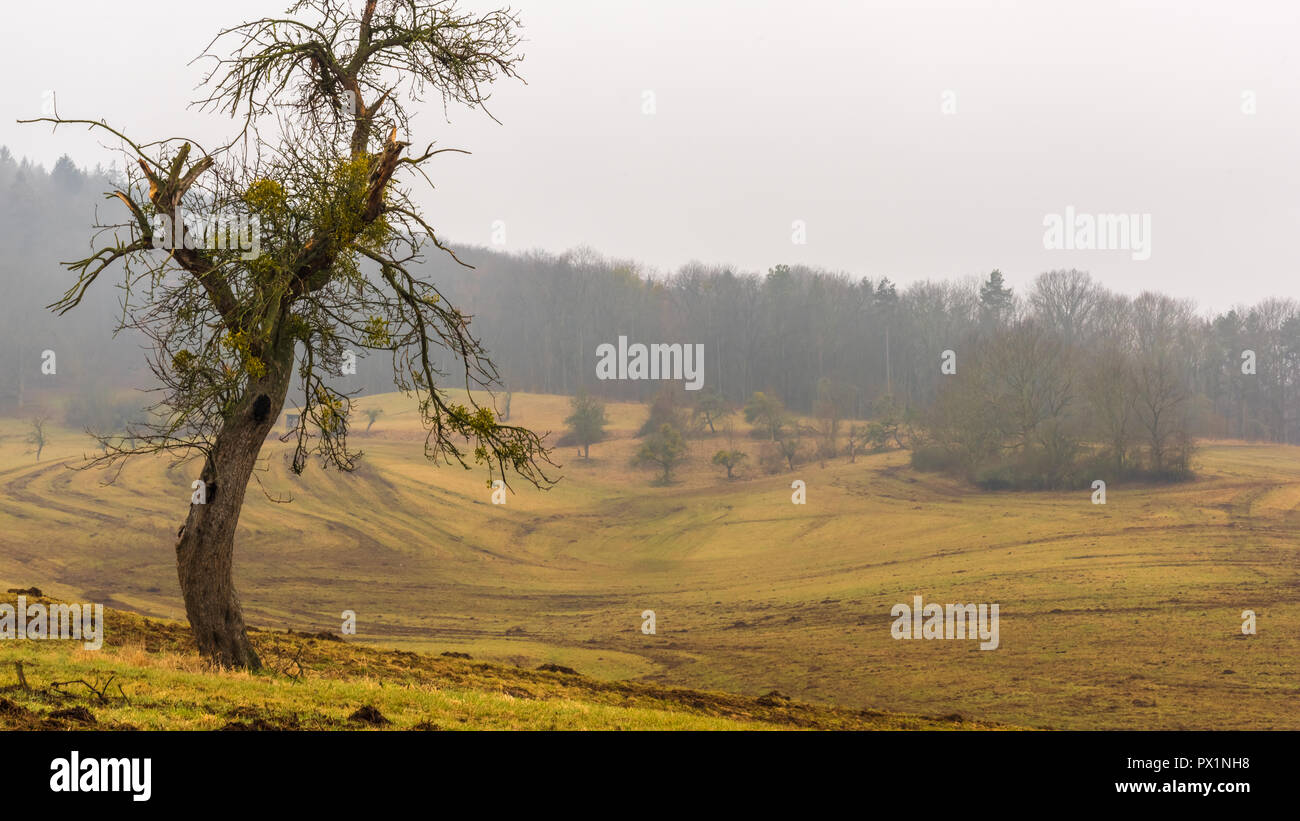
column 941, row 139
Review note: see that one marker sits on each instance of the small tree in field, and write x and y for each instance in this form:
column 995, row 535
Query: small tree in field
column 38, row 438
column 664, row 449
column 792, row 450
column 856, row 435
column 888, row 423
column 587, row 422
column 334, row 238
column 767, row 412
column 372, row 414
column 712, row 407
column 729, row 459
column 828, row 409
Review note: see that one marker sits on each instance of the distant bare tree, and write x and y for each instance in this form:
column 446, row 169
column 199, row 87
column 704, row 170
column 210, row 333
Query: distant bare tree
column 1161, row 395
column 1108, row 381
column 38, row 438
column 1159, row 380
column 1068, row 302
column 792, row 450
column 1033, row 369
column 833, row 401
column 855, row 436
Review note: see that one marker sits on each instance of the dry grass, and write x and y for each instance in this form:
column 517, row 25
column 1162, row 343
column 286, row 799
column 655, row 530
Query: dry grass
column 1122, row 616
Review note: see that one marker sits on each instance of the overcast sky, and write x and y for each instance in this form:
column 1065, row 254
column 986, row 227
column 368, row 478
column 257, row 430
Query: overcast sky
column 832, row 113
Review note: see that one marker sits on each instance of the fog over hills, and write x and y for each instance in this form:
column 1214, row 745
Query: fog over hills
column 789, row 330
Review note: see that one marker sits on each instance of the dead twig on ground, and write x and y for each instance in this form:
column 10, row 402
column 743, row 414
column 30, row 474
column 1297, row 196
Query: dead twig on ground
column 100, row 691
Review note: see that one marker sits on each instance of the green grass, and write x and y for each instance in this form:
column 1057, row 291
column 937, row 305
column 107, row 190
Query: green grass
column 1118, row 616
column 148, row 677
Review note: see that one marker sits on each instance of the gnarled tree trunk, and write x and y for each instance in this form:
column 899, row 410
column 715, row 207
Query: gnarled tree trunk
column 206, row 544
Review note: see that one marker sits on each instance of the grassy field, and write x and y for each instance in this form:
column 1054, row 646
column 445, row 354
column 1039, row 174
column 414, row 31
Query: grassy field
column 148, row 677
column 1126, row 615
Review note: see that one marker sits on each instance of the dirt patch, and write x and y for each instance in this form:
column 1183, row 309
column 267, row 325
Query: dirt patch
column 558, row 668
column 323, row 635
column 251, row 718
column 17, row 717
column 369, row 715
column 79, row 715
column 257, row 724
column 518, row 692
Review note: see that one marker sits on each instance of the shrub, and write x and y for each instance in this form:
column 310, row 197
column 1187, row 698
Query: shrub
column 933, row 458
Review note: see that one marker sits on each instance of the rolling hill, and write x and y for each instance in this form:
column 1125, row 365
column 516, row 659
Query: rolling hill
column 1126, row 615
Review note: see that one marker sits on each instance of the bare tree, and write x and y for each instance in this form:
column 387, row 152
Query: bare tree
column 1160, row 397
column 833, row 401
column 1108, row 380
column 1033, row 367
column 792, row 450
column 856, row 434
column 1159, row 380
column 38, row 438
column 230, row 330
column 1067, row 301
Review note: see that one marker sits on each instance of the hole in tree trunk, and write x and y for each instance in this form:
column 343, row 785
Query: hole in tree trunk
column 261, row 408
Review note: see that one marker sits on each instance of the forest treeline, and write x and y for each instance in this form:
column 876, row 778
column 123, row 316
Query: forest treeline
column 1043, row 379
column 1044, row 382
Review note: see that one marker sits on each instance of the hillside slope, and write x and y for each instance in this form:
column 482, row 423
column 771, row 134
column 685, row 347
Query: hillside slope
column 1124, row 615
column 148, row 677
